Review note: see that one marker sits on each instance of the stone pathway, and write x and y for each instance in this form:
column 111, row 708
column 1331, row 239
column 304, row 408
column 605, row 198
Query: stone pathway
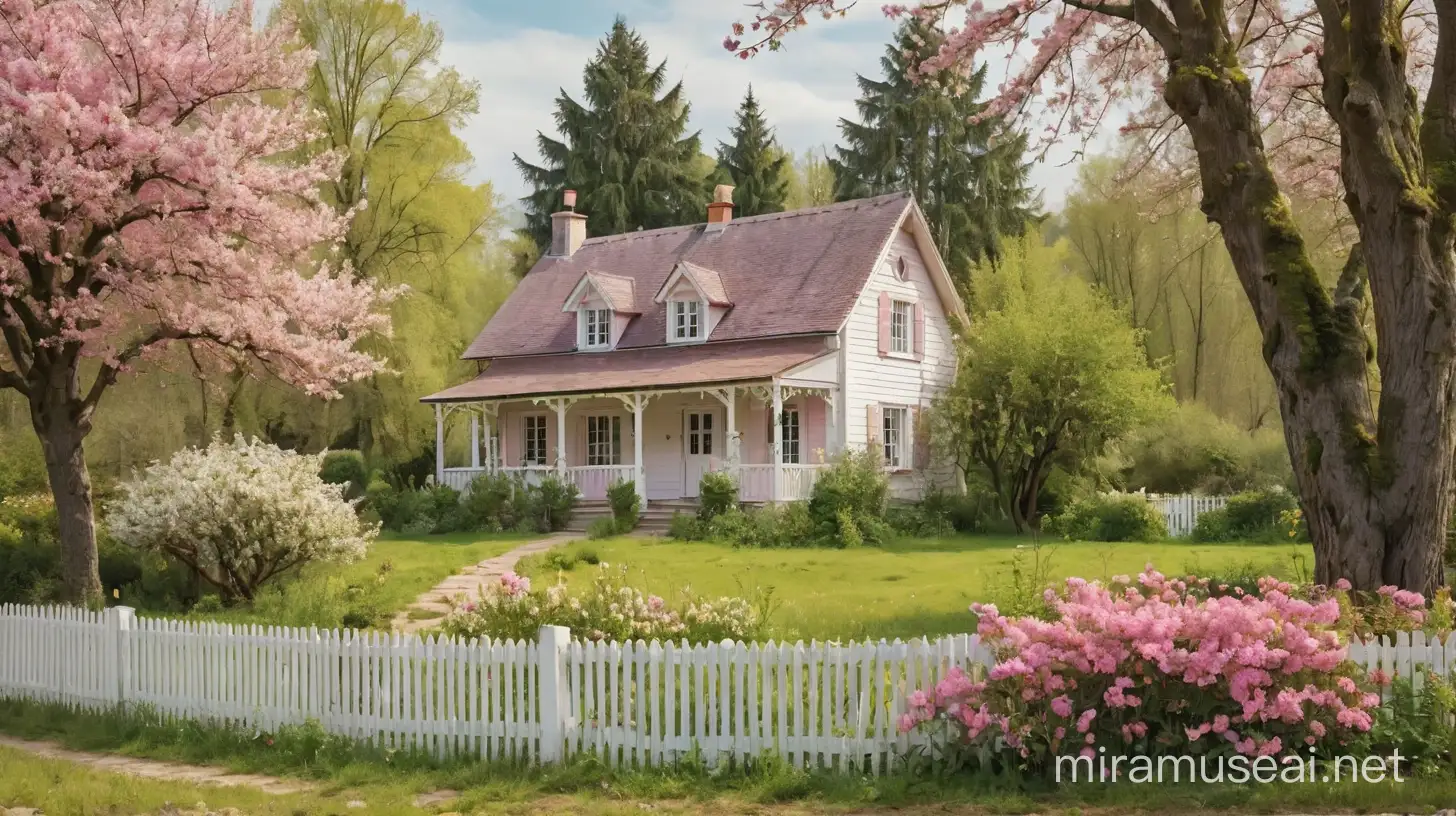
column 152, row 769
column 435, row 602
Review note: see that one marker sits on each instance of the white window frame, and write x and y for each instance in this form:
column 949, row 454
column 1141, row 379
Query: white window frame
column 534, row 424
column 603, row 440
column 686, row 321
column 902, row 327
column 791, row 436
column 895, row 436
column 596, row 328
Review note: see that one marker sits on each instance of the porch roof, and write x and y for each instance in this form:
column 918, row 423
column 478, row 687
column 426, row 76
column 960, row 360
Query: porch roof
column 632, row 369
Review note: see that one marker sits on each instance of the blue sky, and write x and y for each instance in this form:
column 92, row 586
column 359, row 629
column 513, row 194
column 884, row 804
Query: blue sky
column 523, row 51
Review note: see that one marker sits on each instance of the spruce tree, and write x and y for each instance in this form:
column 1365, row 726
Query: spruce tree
column 624, row 149
column 754, row 162
column 970, row 177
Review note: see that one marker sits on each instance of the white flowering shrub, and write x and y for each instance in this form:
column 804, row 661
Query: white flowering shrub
column 609, row 610
column 239, row 514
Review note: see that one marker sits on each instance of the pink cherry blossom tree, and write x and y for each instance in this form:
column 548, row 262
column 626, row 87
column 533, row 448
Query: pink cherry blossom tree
column 148, row 198
column 1355, row 96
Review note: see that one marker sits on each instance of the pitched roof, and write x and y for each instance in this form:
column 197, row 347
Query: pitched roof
column 660, row 367
column 708, row 282
column 617, row 291
column 797, row 272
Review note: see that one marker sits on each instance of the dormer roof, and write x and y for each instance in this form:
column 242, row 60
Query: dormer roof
column 617, row 291
column 708, row 283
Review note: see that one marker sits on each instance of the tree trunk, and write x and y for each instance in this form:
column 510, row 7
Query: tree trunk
column 56, row 422
column 1376, row 492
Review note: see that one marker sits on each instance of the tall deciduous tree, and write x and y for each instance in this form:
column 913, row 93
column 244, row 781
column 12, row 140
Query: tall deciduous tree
column 1363, row 92
column 625, row 149
column 968, row 174
column 754, row 162
column 146, row 203
column 810, row 180
column 1049, row 373
column 391, row 109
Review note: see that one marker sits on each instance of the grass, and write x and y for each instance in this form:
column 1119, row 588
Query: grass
column 906, row 589
column 396, row 570
column 387, row 784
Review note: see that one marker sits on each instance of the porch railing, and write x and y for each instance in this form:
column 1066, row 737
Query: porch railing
column 755, row 482
column 591, row 481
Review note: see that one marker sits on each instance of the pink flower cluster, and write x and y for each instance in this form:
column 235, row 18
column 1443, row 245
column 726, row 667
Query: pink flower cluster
column 1156, row 662
column 514, row 585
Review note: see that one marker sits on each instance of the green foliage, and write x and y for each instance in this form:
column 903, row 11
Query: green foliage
column 847, row 504
column 809, row 180
column 1110, row 518
column 626, row 506
column 490, row 505
column 754, row 162
column 625, row 148
column 786, row 525
column 1049, row 373
column 602, row 528
column 970, row 177
column 1192, row 450
column 550, row 504
column 22, row 467
column 322, row 599
column 684, row 527
column 1419, row 724
column 345, row 467
column 717, row 494
column 1250, row 516
column 495, row 503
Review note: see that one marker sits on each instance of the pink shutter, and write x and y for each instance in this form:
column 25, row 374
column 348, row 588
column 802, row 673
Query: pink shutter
column 884, row 324
column 919, row 347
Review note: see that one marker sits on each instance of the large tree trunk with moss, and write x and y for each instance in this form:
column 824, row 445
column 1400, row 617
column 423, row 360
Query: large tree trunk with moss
column 61, row 421
column 1375, row 485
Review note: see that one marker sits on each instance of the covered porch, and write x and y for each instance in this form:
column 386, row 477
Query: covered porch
column 773, row 432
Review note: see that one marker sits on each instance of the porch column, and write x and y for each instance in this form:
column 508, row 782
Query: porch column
column 475, row 440
column 777, row 422
column 439, row 444
column 487, row 427
column 560, row 407
column 639, row 468
column 734, row 453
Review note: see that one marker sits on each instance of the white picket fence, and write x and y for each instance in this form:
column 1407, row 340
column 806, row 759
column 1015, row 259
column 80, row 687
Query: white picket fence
column 635, row 704
column 1181, row 512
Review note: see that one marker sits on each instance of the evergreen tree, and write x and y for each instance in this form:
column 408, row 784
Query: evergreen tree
column 623, row 150
column 970, row 177
column 754, row 162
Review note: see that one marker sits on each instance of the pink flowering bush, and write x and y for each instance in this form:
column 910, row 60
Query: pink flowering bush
column 1154, row 666
column 610, row 610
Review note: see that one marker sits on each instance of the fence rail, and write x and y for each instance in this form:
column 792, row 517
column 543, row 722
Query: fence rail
column 815, row 705
column 1181, row 512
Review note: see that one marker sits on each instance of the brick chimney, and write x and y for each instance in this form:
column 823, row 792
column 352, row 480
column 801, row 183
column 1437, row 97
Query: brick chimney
column 568, row 228
column 720, row 212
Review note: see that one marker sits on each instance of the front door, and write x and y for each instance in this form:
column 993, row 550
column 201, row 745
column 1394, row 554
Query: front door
column 700, row 446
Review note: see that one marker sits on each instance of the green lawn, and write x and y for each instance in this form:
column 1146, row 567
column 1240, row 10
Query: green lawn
column 909, row 588
column 396, row 570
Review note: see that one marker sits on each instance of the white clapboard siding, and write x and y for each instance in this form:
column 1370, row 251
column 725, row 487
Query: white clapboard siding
column 634, row 704
column 1181, row 512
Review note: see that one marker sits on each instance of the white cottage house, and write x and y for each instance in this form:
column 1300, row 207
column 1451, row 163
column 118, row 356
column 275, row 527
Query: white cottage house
column 657, row 356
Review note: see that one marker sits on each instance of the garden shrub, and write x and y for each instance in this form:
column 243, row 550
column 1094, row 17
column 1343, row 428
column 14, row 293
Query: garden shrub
column 1249, row 516
column 549, row 505
column 345, row 467
column 1148, row 667
column 851, row 492
column 22, row 466
column 1116, row 517
column 626, row 506
column 717, row 494
column 1421, row 725
column 490, row 505
column 609, row 610
column 684, row 527
column 238, row 514
column 602, row 528
column 1192, row 450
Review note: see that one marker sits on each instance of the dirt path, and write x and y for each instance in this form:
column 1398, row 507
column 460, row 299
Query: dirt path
column 433, row 605
column 153, row 769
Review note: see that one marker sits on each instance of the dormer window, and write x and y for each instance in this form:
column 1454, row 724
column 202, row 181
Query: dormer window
column 687, row 320
column 596, row 328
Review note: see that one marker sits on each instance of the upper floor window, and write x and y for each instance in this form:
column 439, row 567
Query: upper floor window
column 901, row 317
column 597, row 328
column 685, row 320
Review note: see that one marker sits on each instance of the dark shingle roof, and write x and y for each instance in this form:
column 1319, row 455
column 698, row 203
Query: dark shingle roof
column 790, row 273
